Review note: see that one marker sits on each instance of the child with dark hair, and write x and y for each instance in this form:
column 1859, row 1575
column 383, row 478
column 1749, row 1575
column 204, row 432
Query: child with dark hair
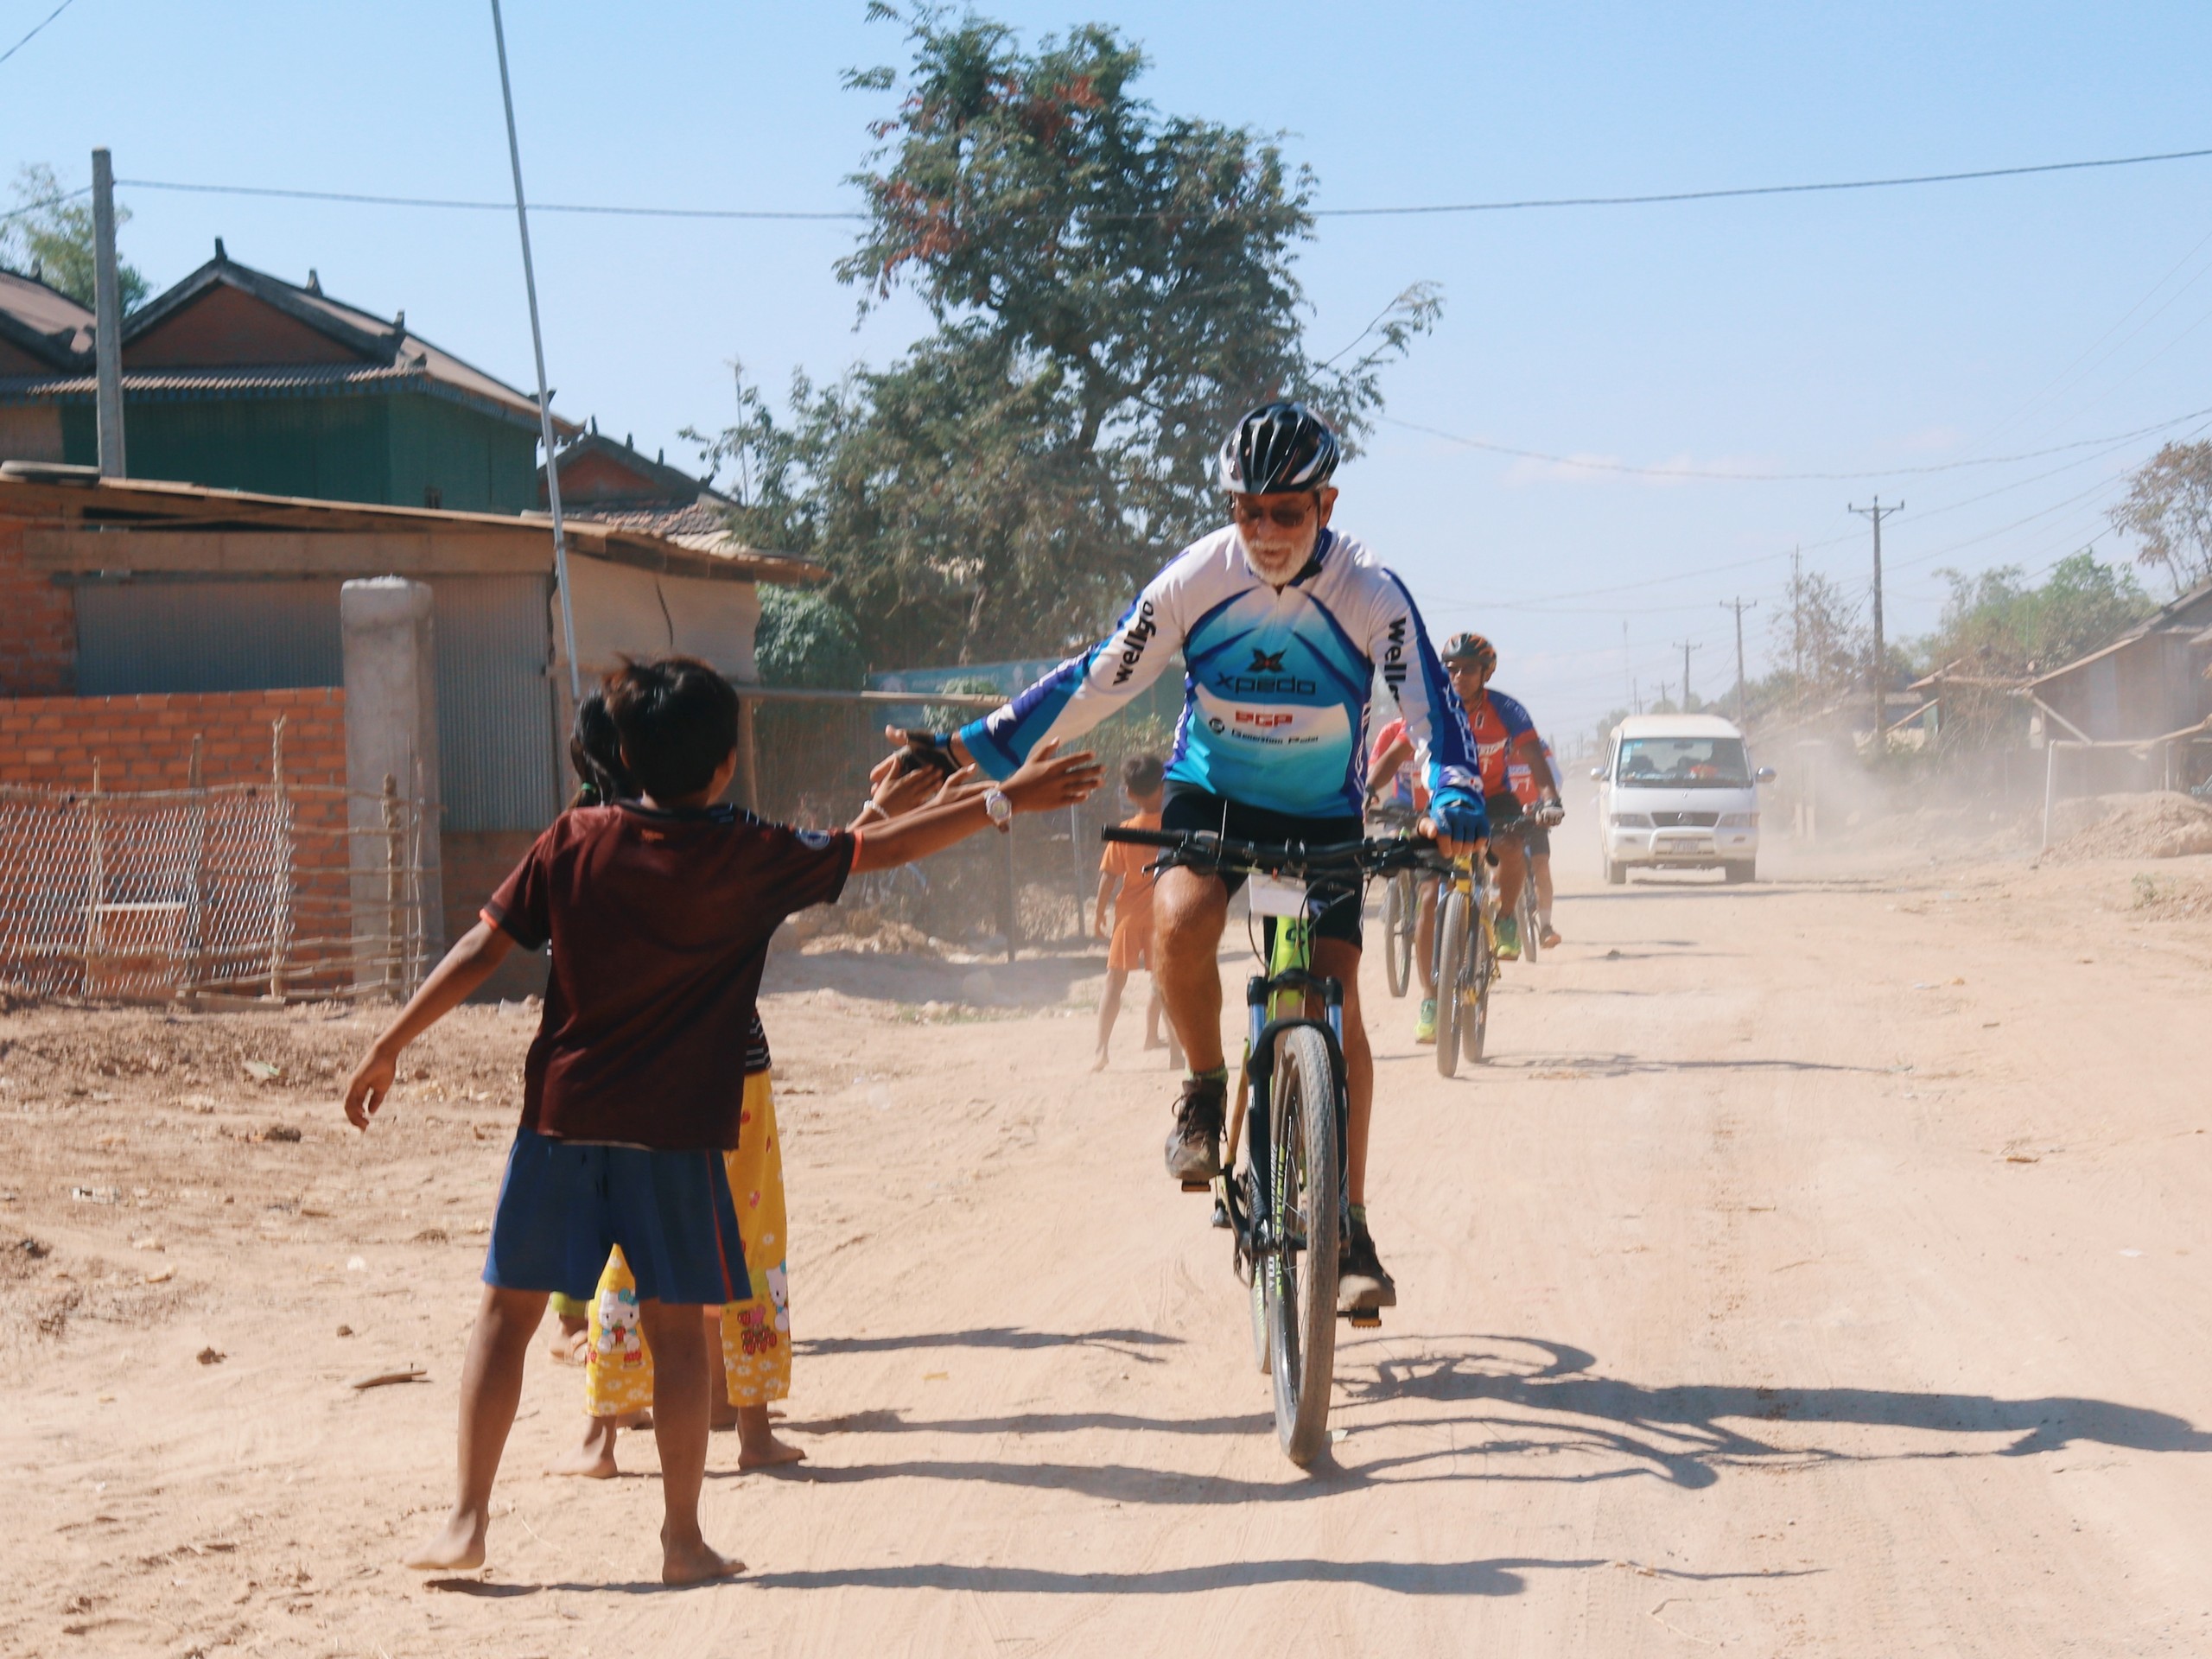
column 657, row 912
column 1125, row 877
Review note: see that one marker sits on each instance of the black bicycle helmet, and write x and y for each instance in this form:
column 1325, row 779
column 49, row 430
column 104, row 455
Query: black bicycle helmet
column 1278, row 449
column 1471, row 648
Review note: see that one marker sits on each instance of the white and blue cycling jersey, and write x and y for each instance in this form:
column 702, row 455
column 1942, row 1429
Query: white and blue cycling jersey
column 1275, row 681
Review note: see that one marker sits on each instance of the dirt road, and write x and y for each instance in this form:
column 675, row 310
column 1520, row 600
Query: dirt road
column 1818, row 1268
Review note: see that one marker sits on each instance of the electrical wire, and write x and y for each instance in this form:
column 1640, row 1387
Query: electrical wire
column 29, row 38
column 1417, row 210
column 1693, row 473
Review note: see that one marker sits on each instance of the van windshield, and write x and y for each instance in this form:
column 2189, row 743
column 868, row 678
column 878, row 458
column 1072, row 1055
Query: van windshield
column 1682, row 763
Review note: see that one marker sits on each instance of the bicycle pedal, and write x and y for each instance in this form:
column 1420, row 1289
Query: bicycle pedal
column 1220, row 1213
column 1198, row 1186
column 1364, row 1318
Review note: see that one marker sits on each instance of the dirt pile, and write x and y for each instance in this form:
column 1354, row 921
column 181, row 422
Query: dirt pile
column 2165, row 824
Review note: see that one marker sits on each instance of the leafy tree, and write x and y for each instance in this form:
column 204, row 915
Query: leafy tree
column 1817, row 632
column 2168, row 512
column 1109, row 286
column 806, row 639
column 52, row 238
column 1994, row 621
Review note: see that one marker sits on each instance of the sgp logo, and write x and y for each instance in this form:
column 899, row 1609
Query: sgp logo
column 1264, row 721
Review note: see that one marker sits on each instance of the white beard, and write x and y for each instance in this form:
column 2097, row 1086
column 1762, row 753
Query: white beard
column 1275, row 572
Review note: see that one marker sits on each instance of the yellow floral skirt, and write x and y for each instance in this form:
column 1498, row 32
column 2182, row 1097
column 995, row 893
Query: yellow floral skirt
column 756, row 1333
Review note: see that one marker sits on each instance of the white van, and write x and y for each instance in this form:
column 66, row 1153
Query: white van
column 1677, row 792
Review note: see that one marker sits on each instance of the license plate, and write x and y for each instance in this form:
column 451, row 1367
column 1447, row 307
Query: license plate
column 1276, row 895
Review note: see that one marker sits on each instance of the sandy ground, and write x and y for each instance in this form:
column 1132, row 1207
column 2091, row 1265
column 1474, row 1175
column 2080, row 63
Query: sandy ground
column 1818, row 1268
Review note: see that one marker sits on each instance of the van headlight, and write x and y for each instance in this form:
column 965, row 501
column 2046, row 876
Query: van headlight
column 1740, row 820
column 1632, row 820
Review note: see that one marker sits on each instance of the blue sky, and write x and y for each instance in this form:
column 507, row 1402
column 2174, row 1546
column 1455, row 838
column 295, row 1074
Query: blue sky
column 1868, row 333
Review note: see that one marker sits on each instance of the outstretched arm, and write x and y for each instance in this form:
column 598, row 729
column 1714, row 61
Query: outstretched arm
column 465, row 967
column 1085, row 688
column 1048, row 782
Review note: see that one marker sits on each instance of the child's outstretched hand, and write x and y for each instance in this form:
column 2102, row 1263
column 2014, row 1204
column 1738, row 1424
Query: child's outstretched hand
column 371, row 1082
column 1049, row 779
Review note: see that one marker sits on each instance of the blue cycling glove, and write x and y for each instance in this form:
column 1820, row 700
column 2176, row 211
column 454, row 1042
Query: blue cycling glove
column 1459, row 814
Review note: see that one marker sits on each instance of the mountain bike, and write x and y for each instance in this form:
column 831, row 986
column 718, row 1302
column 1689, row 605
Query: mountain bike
column 1401, row 903
column 1288, row 1207
column 1466, row 965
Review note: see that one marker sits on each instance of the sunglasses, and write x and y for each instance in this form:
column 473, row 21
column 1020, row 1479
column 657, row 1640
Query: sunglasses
column 1287, row 515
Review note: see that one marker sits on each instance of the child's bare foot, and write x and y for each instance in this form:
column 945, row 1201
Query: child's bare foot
column 594, row 1457
column 1098, row 1061
column 1153, row 1039
column 457, row 1547
column 695, row 1562
column 757, row 1445
column 570, row 1341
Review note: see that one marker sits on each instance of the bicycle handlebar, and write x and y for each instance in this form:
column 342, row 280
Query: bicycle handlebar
column 1370, row 856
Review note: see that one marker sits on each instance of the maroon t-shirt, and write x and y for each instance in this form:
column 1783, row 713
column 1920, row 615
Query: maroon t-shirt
column 659, row 923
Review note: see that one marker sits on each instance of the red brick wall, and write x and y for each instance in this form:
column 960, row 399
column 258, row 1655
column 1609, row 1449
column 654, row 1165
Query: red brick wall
column 38, row 624
column 145, row 742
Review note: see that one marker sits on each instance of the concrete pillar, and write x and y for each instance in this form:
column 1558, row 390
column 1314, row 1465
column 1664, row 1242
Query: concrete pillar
column 392, row 731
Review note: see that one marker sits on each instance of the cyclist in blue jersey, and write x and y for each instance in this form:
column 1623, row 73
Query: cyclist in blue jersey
column 1283, row 624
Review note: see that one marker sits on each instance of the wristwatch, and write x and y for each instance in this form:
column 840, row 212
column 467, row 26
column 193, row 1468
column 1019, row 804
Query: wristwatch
column 1000, row 808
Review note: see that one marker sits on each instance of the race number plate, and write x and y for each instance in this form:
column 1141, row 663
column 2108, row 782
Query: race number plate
column 1276, row 895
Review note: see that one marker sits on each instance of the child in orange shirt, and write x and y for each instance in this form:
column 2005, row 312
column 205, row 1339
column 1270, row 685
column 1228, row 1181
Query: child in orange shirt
column 1125, row 878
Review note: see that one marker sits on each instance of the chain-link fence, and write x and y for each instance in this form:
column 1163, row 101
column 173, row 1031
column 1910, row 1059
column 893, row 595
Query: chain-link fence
column 1033, row 886
column 247, row 889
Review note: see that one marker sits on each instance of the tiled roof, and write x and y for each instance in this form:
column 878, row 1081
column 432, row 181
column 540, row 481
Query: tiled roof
column 704, row 518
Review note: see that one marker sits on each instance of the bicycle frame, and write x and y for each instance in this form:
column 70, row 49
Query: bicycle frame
column 1276, row 1002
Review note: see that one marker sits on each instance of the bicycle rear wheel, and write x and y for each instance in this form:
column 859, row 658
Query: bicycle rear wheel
column 1453, row 938
column 1300, row 1269
column 1400, row 910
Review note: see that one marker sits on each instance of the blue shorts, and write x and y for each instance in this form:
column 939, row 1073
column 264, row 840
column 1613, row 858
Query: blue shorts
column 563, row 1207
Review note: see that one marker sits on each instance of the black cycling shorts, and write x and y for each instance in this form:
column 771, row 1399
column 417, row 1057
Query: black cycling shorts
column 1507, row 815
column 1335, row 906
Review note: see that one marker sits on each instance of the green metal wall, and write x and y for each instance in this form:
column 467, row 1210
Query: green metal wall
column 387, row 449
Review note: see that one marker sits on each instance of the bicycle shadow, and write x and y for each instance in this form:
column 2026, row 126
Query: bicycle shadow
column 1688, row 1433
column 1125, row 1343
column 1543, row 1415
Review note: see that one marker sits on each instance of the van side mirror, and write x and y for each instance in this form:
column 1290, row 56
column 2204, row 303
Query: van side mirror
column 1764, row 774
column 1597, row 774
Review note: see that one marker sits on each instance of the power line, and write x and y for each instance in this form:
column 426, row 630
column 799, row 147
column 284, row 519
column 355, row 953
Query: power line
column 1758, row 190
column 1429, row 209
column 27, row 39
column 1782, row 478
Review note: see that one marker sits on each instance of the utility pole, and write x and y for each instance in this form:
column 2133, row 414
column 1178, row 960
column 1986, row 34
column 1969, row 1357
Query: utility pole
column 544, row 397
column 1876, row 514
column 1686, row 647
column 107, row 318
column 1740, row 606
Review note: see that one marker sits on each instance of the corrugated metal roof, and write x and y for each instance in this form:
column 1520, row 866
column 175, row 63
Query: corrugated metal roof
column 90, row 502
column 310, row 377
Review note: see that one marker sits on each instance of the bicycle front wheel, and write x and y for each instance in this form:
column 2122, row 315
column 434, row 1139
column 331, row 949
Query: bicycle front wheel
column 1301, row 1267
column 1524, row 913
column 1474, row 995
column 1454, row 939
column 1400, row 912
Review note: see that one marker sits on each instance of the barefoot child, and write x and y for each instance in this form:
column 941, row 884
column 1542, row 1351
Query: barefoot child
column 658, row 912
column 1127, row 869
column 748, row 1342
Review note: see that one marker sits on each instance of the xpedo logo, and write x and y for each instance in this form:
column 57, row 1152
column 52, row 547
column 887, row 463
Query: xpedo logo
column 1265, row 722
column 1134, row 638
column 1394, row 656
column 1265, row 663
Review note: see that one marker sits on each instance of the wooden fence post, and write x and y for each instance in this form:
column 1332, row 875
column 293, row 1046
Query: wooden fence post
column 394, row 930
column 280, row 893
column 95, row 885
column 196, row 915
